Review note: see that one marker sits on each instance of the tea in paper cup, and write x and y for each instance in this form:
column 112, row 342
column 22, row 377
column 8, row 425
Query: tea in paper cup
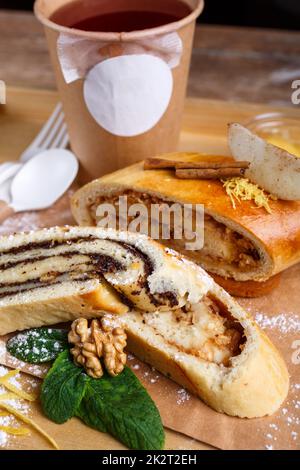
column 122, row 69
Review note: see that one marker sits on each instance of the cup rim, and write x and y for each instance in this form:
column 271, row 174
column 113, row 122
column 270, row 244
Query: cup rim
column 125, row 36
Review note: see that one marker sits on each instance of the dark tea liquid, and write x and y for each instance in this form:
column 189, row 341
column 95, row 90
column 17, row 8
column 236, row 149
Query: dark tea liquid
column 125, row 21
column 112, row 17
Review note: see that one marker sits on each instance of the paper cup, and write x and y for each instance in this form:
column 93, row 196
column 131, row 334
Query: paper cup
column 123, row 94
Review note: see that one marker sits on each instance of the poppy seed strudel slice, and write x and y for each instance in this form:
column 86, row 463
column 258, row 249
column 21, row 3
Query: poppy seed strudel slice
column 80, row 271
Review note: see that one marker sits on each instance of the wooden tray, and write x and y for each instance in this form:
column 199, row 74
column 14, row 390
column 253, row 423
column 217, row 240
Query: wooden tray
column 204, row 129
column 204, row 123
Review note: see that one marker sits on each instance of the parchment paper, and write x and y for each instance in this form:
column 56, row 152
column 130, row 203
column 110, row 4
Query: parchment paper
column 278, row 314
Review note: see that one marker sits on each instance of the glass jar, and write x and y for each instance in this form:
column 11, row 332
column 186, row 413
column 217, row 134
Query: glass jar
column 280, row 129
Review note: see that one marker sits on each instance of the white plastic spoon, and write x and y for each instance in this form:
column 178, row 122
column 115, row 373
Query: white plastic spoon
column 5, row 187
column 8, row 170
column 41, row 181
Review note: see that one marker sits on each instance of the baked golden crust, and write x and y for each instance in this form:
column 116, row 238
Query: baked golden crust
column 248, row 289
column 277, row 235
column 255, row 385
column 258, row 390
column 48, row 312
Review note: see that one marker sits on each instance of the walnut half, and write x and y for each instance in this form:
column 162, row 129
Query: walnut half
column 95, row 341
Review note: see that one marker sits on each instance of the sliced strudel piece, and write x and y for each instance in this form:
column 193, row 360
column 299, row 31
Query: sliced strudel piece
column 176, row 317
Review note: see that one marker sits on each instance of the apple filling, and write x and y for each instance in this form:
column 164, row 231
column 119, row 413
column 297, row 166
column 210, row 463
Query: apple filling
column 204, row 330
column 222, row 246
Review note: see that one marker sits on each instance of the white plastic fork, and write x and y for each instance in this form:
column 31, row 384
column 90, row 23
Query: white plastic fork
column 53, row 134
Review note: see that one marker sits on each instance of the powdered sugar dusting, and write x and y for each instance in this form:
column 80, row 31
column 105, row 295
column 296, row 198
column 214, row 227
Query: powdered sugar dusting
column 8, row 420
column 148, row 375
column 284, row 323
column 286, row 421
column 182, row 396
column 25, row 221
column 33, row 369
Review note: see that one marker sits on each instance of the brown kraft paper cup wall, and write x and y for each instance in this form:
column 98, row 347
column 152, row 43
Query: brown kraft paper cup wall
column 99, row 151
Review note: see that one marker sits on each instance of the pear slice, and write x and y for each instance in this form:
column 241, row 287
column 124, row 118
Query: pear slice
column 274, row 169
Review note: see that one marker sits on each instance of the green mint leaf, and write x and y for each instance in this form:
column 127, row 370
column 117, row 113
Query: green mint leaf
column 87, row 413
column 63, row 389
column 118, row 405
column 122, row 406
column 38, row 345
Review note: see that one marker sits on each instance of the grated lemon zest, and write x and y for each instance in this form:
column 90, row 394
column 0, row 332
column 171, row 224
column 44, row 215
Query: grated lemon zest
column 15, row 431
column 29, row 421
column 241, row 189
column 20, row 393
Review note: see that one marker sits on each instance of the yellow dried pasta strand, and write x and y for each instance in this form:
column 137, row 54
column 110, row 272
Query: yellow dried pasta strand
column 8, row 396
column 19, row 392
column 4, row 380
column 29, row 421
column 15, row 431
column 9, row 375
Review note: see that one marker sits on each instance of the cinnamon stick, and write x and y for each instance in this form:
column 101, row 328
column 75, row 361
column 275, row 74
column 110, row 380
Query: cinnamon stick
column 159, row 164
column 211, row 165
column 162, row 164
column 209, row 173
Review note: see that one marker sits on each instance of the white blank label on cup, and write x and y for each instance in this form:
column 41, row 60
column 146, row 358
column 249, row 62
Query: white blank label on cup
column 128, row 95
